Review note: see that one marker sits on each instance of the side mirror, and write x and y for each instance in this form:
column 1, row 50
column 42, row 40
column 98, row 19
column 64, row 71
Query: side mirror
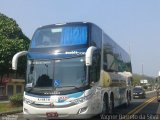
column 89, row 55
column 15, row 59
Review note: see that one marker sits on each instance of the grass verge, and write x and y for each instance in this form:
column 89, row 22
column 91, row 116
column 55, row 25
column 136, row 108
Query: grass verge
column 7, row 107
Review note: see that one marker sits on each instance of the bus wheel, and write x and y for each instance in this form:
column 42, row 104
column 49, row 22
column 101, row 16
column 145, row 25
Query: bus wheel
column 108, row 106
column 111, row 105
column 127, row 101
column 105, row 103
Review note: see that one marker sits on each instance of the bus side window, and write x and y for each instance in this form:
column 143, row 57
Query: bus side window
column 95, row 68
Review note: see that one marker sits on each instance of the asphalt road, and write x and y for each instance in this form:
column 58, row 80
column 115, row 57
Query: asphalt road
column 137, row 102
column 140, row 109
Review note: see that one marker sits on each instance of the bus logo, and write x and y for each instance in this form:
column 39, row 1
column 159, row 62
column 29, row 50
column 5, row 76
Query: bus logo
column 62, row 98
column 75, row 53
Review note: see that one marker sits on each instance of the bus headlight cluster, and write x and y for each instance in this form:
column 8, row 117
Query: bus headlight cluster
column 28, row 101
column 82, row 99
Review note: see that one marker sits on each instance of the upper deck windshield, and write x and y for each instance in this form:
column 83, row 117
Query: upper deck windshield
column 59, row 36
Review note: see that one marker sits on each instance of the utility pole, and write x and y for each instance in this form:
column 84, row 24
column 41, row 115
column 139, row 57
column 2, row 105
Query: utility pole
column 142, row 69
column 142, row 77
column 130, row 48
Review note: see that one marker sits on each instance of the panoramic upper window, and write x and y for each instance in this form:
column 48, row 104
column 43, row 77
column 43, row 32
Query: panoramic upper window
column 61, row 36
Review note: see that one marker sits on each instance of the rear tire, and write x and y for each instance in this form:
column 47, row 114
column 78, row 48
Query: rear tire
column 111, row 105
column 128, row 101
column 108, row 105
column 105, row 104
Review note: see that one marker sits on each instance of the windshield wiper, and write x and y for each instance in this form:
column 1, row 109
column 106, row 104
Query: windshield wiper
column 29, row 89
column 75, row 87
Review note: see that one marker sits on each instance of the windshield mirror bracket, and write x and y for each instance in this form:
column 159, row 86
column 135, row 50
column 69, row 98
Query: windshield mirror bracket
column 89, row 54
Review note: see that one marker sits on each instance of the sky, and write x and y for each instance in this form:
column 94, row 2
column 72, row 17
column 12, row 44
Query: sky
column 133, row 24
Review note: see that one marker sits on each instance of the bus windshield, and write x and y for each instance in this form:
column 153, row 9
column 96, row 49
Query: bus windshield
column 59, row 36
column 56, row 73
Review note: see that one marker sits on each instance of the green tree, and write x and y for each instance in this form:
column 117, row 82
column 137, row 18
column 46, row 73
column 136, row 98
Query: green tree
column 136, row 79
column 12, row 40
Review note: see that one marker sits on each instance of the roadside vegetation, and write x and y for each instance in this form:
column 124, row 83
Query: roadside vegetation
column 16, row 100
column 12, row 40
column 7, row 107
column 15, row 104
column 138, row 77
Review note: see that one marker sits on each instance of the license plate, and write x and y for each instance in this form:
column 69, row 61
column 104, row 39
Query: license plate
column 52, row 114
column 136, row 96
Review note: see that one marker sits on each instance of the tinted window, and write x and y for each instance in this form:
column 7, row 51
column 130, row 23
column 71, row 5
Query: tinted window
column 10, row 90
column 115, row 58
column 137, row 89
column 96, row 40
column 39, row 73
column 18, row 89
column 96, row 36
column 95, row 68
column 70, row 72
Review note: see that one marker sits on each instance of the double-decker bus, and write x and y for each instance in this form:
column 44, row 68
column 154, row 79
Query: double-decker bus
column 74, row 70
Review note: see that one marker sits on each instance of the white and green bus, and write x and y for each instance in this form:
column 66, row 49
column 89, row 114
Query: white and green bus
column 74, row 70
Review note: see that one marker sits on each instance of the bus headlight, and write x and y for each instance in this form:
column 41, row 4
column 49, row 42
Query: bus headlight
column 81, row 99
column 28, row 101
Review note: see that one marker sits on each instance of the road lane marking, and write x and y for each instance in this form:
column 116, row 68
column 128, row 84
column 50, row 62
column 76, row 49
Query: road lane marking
column 144, row 105
column 138, row 107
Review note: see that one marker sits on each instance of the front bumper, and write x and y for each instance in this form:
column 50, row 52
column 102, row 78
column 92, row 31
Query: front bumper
column 81, row 110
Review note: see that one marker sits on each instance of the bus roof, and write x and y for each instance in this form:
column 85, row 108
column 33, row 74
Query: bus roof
column 66, row 24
